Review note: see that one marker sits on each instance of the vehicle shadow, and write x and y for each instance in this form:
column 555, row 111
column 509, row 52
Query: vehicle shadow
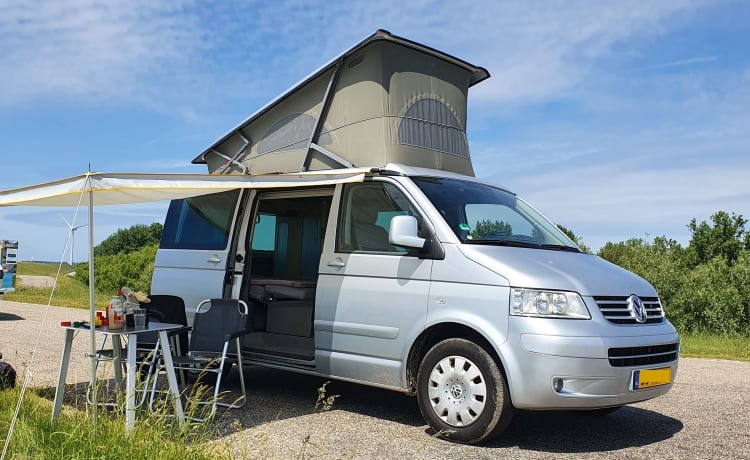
column 573, row 432
column 10, row 317
column 272, row 395
column 276, row 395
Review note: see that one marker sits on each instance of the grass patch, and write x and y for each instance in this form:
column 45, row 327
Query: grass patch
column 69, row 292
column 715, row 346
column 42, row 268
column 71, row 436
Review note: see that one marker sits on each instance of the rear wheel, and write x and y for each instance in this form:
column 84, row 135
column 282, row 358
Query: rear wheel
column 462, row 393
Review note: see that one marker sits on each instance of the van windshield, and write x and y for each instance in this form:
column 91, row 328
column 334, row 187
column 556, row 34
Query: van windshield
column 482, row 214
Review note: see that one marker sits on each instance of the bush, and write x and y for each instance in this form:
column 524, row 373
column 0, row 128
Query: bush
column 699, row 296
column 711, row 300
column 133, row 269
column 127, row 240
column 660, row 262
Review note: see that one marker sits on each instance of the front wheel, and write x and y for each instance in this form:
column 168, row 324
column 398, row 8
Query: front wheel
column 462, row 393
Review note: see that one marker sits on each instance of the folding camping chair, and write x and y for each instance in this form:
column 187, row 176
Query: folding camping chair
column 219, row 324
column 163, row 309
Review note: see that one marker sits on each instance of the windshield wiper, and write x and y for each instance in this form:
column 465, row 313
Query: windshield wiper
column 512, row 243
column 559, row 247
column 523, row 244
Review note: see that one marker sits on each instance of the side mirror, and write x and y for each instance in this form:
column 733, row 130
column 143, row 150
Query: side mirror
column 403, row 232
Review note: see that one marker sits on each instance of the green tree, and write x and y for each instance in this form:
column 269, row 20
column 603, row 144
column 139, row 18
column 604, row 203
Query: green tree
column 578, row 241
column 487, row 227
column 725, row 238
column 126, row 240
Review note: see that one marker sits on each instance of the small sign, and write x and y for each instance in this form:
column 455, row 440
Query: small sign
column 648, row 378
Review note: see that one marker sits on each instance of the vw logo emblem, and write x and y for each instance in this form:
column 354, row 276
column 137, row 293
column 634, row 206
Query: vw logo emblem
column 636, row 307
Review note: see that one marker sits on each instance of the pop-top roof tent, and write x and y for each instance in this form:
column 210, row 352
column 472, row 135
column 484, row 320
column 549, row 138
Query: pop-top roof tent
column 385, row 100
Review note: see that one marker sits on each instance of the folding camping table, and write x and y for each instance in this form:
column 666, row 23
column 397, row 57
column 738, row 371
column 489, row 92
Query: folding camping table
column 131, row 364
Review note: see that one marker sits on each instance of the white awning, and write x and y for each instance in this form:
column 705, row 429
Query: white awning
column 125, row 188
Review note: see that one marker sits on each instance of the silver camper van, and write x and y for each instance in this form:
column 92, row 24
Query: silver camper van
column 399, row 269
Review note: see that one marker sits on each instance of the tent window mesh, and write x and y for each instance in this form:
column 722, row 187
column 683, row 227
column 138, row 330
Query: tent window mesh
column 291, row 132
column 430, row 124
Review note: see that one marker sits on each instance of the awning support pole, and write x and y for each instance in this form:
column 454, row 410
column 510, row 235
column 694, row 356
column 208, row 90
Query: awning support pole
column 92, row 301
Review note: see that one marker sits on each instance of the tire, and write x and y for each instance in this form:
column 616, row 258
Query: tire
column 462, row 392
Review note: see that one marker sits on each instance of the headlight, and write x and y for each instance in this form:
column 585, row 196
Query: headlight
column 547, row 304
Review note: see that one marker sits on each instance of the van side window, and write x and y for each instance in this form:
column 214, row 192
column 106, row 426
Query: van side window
column 201, row 222
column 366, row 213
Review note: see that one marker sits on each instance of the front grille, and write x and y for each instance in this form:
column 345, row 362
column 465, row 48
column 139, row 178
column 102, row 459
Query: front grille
column 641, row 356
column 615, row 309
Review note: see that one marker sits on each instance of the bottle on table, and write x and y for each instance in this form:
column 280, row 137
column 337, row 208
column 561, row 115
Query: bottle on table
column 115, row 313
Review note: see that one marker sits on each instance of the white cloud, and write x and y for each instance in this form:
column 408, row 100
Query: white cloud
column 681, row 63
column 536, row 50
column 93, row 50
column 158, row 53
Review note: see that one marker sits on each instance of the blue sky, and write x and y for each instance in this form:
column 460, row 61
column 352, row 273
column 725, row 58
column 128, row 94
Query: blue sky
column 615, row 119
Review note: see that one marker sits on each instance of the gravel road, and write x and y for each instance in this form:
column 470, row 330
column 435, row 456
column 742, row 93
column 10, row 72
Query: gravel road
column 706, row 415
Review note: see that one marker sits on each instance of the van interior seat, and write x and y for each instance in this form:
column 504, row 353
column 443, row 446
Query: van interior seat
column 289, row 305
column 276, row 289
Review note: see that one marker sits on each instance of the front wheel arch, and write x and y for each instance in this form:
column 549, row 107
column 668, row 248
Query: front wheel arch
column 437, row 333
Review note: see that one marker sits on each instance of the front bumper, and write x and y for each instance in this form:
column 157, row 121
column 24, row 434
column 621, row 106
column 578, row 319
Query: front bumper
column 534, row 362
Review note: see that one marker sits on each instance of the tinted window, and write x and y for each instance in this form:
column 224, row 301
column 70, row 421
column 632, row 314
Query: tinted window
column 201, row 222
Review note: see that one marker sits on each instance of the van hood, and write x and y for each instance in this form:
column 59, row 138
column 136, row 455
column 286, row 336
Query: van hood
column 587, row 274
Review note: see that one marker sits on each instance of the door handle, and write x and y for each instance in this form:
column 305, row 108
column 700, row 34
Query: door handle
column 214, row 259
column 337, row 262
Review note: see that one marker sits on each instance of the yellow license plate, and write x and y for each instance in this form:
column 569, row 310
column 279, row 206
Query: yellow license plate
column 647, row 378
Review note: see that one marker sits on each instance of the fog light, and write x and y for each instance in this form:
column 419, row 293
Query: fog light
column 557, row 384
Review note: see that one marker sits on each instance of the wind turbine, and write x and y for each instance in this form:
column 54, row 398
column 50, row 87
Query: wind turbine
column 72, row 229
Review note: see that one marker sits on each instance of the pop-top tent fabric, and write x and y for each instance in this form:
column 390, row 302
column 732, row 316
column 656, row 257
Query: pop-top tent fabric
column 96, row 189
column 385, row 100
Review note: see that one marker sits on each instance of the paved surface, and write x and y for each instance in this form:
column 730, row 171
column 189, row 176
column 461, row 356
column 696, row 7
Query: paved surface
column 706, row 415
column 36, row 281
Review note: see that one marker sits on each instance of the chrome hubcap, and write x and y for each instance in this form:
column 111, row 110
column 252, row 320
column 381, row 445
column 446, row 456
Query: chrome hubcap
column 457, row 391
